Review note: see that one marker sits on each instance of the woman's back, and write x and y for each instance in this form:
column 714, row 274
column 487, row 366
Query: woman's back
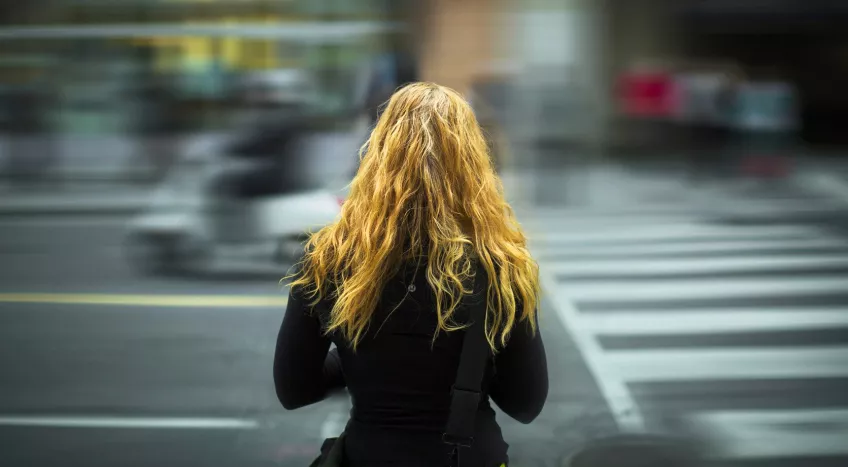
column 388, row 282
column 400, row 378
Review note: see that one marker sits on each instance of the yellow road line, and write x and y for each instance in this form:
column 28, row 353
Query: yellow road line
column 195, row 301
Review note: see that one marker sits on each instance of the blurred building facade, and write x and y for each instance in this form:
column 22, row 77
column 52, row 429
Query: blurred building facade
column 105, row 74
column 558, row 63
column 784, row 59
column 781, row 51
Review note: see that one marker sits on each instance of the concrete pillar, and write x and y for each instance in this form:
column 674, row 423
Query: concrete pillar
column 555, row 98
column 458, row 41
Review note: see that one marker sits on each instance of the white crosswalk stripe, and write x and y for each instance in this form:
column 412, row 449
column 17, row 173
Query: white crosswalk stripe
column 722, row 320
column 725, row 363
column 721, row 246
column 700, row 265
column 670, row 233
column 621, row 291
column 665, row 299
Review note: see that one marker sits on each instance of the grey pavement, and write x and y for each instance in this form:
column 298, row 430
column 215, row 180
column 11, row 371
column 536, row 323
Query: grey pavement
column 104, row 367
column 120, row 200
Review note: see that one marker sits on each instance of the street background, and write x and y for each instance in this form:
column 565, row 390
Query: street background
column 679, row 168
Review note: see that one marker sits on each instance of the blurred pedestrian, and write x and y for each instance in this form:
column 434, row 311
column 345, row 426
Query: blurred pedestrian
column 427, row 289
column 486, row 96
column 31, row 151
column 165, row 120
column 705, row 96
column 160, row 122
column 394, row 67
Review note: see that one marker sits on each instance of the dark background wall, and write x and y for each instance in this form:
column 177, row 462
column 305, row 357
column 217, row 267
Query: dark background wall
column 802, row 41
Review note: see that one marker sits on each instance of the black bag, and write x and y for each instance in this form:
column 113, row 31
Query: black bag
column 465, row 394
column 332, row 453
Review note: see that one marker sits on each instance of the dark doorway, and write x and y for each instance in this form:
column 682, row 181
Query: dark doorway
column 803, row 42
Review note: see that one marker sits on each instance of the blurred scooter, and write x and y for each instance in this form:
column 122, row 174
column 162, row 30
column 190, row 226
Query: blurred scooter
column 245, row 205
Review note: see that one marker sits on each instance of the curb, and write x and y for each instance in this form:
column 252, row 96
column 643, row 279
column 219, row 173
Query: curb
column 18, row 211
column 824, row 184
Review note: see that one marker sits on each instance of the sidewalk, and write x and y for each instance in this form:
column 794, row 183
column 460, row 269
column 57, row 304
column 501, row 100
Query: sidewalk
column 592, row 186
column 813, row 191
column 815, row 185
column 116, row 201
column 599, row 186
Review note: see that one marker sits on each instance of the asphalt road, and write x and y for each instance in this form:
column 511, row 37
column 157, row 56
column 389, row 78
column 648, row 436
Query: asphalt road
column 100, row 366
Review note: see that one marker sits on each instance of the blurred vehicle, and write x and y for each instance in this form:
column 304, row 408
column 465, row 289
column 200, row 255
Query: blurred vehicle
column 246, row 203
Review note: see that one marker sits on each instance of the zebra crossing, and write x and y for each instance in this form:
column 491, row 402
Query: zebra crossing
column 736, row 331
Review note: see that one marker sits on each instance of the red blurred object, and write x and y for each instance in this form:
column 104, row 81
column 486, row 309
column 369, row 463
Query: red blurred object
column 340, row 200
column 648, row 94
column 767, row 166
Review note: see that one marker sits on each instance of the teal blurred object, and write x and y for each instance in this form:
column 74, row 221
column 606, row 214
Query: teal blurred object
column 204, row 80
column 766, row 107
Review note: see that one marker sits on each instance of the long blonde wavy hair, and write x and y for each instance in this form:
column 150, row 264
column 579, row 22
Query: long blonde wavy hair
column 425, row 188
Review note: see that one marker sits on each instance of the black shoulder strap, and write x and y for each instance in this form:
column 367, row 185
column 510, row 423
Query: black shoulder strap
column 466, row 393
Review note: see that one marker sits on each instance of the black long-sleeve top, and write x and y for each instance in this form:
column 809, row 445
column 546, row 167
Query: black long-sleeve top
column 400, row 379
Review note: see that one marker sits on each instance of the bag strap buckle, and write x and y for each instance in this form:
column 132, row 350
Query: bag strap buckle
column 458, row 441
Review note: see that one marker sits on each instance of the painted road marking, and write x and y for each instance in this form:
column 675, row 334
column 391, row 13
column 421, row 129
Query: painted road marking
column 77, row 222
column 188, row 301
column 729, row 363
column 676, row 266
column 629, row 292
column 720, row 246
column 542, row 215
column 575, row 224
column 129, row 422
column 720, row 320
column 612, row 386
column 676, row 232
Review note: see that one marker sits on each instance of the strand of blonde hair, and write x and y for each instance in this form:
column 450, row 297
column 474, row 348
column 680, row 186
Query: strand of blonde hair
column 426, row 187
